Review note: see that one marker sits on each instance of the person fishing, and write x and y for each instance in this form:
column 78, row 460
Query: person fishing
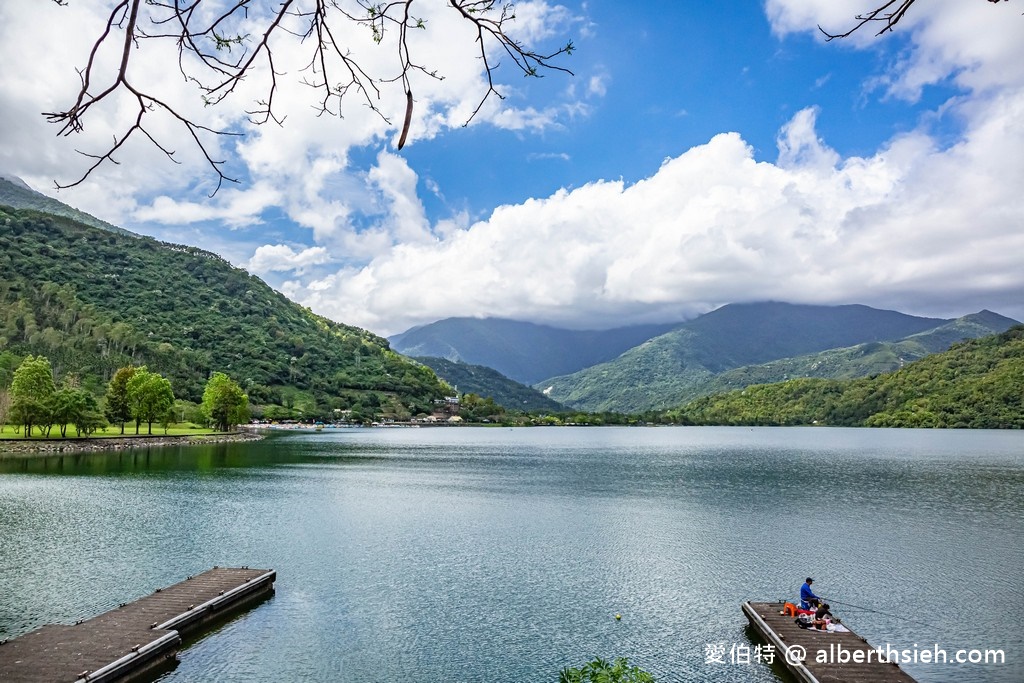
column 821, row 616
column 808, row 600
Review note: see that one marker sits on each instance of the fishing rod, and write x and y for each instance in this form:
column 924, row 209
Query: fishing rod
column 875, row 611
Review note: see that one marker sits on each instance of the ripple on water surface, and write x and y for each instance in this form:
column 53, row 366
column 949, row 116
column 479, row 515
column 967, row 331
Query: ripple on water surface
column 492, row 554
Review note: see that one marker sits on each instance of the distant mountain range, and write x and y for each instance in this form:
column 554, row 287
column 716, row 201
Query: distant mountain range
column 522, row 351
column 733, row 346
column 489, row 383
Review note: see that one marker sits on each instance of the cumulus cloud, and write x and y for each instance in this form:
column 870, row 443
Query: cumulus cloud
column 799, row 144
column 282, row 258
column 939, row 227
column 236, row 208
column 917, row 224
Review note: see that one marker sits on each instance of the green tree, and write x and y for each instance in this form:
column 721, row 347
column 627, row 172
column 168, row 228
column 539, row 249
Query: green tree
column 224, row 402
column 168, row 418
column 31, row 390
column 9, row 362
column 118, row 410
column 5, row 408
column 150, row 397
column 475, row 408
column 75, row 405
column 90, row 418
column 602, row 671
column 67, row 406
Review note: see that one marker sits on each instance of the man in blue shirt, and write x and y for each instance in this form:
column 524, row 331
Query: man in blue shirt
column 808, row 600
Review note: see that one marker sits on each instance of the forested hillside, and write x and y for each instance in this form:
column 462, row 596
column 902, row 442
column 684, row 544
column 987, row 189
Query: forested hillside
column 862, row 360
column 687, row 362
column 489, row 383
column 977, row 384
column 93, row 300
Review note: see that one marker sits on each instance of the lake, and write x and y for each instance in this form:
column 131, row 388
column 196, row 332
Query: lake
column 475, row 554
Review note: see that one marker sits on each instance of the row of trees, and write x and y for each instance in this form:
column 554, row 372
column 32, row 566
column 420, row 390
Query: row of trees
column 140, row 395
column 133, row 394
column 476, row 408
column 35, row 401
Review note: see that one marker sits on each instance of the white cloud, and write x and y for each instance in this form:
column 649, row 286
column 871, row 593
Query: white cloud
column 235, row 207
column 537, row 20
column 527, row 118
column 977, row 43
column 917, row 221
column 282, row 258
column 39, row 77
column 799, row 144
column 834, row 16
column 541, row 156
column 714, row 225
column 598, row 85
column 396, row 182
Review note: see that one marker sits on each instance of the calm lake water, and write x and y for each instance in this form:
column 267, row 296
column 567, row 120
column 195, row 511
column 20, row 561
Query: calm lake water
column 503, row 554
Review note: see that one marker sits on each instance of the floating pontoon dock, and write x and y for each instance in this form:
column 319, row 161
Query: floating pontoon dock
column 791, row 641
column 136, row 638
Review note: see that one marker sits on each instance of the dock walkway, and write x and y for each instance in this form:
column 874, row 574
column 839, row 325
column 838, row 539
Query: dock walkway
column 843, row 665
column 135, row 638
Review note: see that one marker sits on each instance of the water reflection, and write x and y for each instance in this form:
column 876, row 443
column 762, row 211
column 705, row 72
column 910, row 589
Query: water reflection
column 490, row 554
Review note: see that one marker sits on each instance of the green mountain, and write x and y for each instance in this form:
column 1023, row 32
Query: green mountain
column 522, row 351
column 862, row 360
column 93, row 300
column 669, row 369
column 489, row 383
column 978, row 383
column 14, row 192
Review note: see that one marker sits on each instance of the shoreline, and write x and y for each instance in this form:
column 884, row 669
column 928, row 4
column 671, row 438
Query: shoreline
column 19, row 447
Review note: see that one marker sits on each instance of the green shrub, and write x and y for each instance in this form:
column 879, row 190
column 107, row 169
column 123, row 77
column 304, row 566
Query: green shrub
column 601, row 671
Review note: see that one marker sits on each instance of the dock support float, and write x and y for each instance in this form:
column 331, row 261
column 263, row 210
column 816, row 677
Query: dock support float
column 132, row 641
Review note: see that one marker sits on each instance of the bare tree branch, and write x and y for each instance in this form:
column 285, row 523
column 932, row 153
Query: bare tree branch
column 529, row 62
column 215, row 56
column 71, row 120
column 886, row 14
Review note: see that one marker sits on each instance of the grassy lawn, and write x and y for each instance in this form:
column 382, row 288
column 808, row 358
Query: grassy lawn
column 184, row 429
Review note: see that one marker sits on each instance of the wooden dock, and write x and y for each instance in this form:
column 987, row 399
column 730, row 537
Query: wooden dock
column 137, row 638
column 843, row 665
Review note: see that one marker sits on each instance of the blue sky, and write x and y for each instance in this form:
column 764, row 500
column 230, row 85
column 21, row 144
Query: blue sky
column 674, row 78
column 703, row 153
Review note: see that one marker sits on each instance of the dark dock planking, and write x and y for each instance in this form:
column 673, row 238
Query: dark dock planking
column 783, row 633
column 136, row 638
